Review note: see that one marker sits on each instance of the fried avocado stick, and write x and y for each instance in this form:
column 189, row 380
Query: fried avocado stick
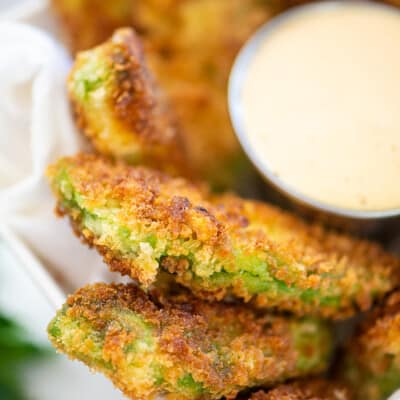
column 118, row 107
column 372, row 359
column 190, row 46
column 306, row 390
column 184, row 348
column 144, row 222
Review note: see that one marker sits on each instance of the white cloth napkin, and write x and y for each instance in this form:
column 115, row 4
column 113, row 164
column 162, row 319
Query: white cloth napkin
column 395, row 396
column 36, row 128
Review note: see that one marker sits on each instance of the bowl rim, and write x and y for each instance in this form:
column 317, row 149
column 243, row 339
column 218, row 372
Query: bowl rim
column 236, row 79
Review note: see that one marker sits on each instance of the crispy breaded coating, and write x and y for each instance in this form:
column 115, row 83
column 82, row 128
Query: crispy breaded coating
column 119, row 108
column 181, row 347
column 87, row 23
column 143, row 221
column 190, row 46
column 372, row 360
column 284, row 4
column 90, row 22
column 317, row 389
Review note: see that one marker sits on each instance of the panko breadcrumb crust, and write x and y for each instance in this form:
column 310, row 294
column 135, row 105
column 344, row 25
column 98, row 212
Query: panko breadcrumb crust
column 118, row 106
column 87, row 23
column 317, row 389
column 143, row 221
column 182, row 347
column 190, row 46
column 371, row 362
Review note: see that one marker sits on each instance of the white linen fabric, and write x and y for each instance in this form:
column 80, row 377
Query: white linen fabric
column 36, row 128
column 395, row 396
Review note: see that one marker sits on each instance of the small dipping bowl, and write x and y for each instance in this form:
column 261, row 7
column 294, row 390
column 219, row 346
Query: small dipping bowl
column 359, row 221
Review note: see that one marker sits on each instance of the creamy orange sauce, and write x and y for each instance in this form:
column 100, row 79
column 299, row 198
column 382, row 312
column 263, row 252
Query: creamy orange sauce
column 321, row 105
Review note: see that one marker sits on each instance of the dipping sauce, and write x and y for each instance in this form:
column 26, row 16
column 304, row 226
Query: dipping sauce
column 320, row 104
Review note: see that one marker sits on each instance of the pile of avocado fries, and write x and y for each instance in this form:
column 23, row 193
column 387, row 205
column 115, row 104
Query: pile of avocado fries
column 230, row 298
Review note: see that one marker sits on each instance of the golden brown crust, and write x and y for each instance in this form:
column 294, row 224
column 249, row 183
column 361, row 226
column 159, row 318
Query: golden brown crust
column 306, row 390
column 371, row 361
column 377, row 335
column 387, row 311
column 223, row 233
column 190, row 46
column 137, row 125
column 284, row 4
column 87, row 23
column 135, row 98
column 224, row 347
